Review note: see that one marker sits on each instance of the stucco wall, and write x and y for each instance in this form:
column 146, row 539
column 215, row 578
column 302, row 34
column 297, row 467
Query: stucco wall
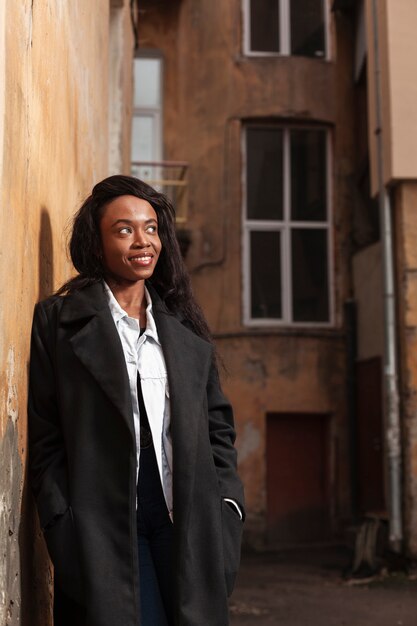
column 210, row 89
column 405, row 202
column 368, row 289
column 397, row 53
column 53, row 147
column 284, row 374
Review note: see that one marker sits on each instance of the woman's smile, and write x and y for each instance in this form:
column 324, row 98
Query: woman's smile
column 142, row 259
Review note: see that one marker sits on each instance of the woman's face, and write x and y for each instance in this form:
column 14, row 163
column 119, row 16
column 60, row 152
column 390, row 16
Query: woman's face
column 130, row 239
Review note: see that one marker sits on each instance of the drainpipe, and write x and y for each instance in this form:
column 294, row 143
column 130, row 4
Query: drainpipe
column 392, row 420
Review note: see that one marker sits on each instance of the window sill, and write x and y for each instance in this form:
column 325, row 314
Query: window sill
column 284, row 331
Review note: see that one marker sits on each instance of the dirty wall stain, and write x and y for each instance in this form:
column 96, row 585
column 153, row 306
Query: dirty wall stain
column 10, row 490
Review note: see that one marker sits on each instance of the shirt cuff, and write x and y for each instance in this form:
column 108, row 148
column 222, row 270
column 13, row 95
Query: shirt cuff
column 235, row 504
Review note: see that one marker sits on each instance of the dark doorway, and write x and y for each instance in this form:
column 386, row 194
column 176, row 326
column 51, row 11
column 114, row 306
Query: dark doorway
column 370, row 436
column 297, row 478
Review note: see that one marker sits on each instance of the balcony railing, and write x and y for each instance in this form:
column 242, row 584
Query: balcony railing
column 168, row 177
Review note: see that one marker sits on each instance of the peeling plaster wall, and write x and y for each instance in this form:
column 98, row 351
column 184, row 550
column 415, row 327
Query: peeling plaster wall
column 404, row 211
column 210, row 89
column 284, row 374
column 53, row 147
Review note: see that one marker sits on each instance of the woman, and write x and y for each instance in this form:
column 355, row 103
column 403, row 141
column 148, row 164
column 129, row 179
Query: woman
column 131, row 440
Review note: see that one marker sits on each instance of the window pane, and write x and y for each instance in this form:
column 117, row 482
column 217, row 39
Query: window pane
column 307, row 28
column 308, row 175
column 264, row 173
column 264, row 25
column 310, row 288
column 147, row 82
column 143, row 134
column 265, row 266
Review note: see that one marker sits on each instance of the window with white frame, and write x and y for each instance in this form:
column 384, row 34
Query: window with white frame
column 286, row 27
column 286, row 226
column 147, row 114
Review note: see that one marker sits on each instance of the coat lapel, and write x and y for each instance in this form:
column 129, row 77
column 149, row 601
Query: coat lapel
column 188, row 359
column 97, row 345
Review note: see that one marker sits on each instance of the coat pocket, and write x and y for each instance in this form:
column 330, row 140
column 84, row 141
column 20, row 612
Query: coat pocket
column 63, row 550
column 232, row 527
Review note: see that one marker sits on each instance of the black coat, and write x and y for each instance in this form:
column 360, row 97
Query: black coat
column 83, row 465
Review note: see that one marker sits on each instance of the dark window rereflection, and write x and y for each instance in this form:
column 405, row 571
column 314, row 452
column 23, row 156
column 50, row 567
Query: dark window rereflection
column 265, row 257
column 264, row 26
column 310, row 288
column 308, row 175
column 307, row 28
column 264, row 174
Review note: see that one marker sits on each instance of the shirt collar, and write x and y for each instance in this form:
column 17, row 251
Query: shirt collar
column 118, row 313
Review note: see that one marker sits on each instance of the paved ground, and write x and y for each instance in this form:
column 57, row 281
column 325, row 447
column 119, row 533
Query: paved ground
column 307, row 588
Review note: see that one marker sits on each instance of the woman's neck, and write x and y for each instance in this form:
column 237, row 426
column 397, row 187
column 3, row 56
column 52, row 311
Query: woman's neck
column 131, row 297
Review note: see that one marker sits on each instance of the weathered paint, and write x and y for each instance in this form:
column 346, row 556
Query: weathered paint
column 398, row 94
column 210, row 89
column 405, row 199
column 10, row 485
column 368, row 290
column 54, row 130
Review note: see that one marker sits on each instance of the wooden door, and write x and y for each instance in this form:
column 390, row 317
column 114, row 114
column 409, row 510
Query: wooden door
column 297, row 478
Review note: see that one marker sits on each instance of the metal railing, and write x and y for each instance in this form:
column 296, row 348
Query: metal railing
column 168, row 177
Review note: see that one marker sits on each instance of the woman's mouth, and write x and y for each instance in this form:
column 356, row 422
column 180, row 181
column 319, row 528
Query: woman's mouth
column 143, row 260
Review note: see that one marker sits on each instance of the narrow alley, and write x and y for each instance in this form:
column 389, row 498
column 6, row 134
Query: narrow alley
column 308, row 588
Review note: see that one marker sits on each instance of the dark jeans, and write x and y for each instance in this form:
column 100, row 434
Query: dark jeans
column 155, row 538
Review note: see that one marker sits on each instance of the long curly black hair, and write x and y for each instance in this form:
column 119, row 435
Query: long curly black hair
column 170, row 277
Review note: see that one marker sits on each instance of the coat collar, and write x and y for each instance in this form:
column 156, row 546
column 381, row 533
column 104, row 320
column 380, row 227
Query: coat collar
column 83, row 303
column 97, row 345
column 92, row 299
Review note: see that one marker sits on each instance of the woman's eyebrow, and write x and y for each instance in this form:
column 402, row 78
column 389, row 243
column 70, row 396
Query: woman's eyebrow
column 122, row 220
column 127, row 221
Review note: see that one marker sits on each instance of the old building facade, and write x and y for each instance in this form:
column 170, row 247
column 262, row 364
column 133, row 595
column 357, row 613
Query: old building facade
column 274, row 107
column 263, row 115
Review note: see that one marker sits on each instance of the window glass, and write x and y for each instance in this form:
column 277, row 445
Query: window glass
column 264, row 25
column 310, row 288
column 307, row 28
column 142, row 138
column 264, row 174
column 308, row 175
column 147, row 81
column 265, row 267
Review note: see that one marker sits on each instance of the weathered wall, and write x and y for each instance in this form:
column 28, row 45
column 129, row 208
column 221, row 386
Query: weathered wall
column 368, row 289
column 397, row 52
column 210, row 89
column 399, row 141
column 405, row 202
column 120, row 88
column 53, row 147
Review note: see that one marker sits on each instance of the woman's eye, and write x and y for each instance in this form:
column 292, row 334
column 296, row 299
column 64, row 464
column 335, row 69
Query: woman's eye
column 125, row 230
column 151, row 229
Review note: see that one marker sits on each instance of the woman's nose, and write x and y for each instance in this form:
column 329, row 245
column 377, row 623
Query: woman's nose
column 141, row 240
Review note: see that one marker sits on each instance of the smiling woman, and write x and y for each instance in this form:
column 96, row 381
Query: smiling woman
column 132, row 457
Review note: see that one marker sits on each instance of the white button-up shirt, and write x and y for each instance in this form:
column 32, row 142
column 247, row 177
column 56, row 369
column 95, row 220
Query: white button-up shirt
column 144, row 356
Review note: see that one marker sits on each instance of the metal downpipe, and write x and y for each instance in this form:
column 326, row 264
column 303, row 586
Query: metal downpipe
column 392, row 420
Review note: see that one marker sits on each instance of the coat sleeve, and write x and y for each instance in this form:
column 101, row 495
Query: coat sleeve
column 222, row 438
column 47, row 458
